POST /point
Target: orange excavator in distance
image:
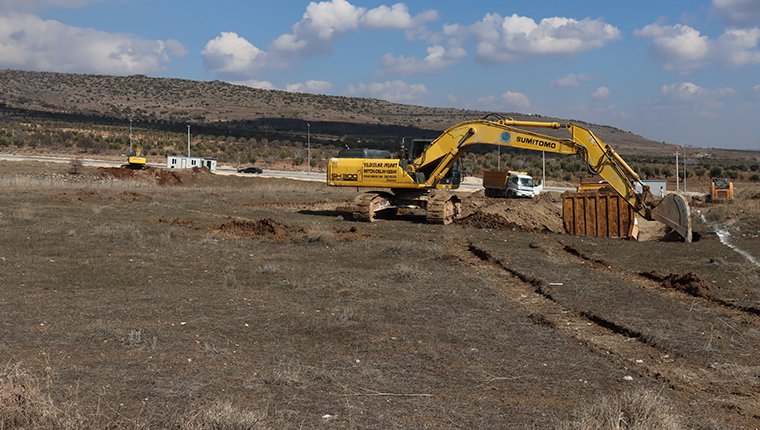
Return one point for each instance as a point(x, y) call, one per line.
point(415, 180)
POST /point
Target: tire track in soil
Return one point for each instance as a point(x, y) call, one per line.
point(653, 282)
point(623, 346)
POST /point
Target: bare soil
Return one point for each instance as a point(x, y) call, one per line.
point(157, 305)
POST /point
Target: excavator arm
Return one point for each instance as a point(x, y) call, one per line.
point(599, 157)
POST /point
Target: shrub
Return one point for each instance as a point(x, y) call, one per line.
point(75, 166)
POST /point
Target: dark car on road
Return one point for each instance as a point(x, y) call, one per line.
point(250, 170)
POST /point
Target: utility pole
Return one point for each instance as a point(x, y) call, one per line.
point(678, 180)
point(130, 136)
point(188, 141)
point(308, 148)
point(684, 168)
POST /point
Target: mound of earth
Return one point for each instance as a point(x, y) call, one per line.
point(689, 283)
point(540, 214)
point(159, 176)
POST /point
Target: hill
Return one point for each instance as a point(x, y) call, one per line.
point(164, 100)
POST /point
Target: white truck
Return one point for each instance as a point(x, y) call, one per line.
point(510, 184)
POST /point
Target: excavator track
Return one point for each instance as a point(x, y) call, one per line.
point(367, 205)
point(443, 209)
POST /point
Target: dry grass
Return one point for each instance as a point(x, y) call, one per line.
point(25, 403)
point(22, 401)
point(225, 416)
point(632, 410)
point(229, 278)
point(269, 268)
point(405, 272)
point(28, 183)
point(743, 208)
point(318, 233)
point(127, 232)
point(24, 212)
point(432, 249)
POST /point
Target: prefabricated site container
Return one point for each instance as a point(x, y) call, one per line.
point(183, 162)
point(602, 213)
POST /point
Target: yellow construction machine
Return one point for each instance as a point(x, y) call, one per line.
point(137, 159)
point(721, 190)
point(414, 178)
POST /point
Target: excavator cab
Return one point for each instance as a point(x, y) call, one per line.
point(453, 177)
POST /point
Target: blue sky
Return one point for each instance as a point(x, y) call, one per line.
point(675, 71)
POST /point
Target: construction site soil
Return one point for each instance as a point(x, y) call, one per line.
point(134, 301)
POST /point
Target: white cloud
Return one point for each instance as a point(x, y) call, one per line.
point(571, 80)
point(325, 21)
point(262, 85)
point(689, 100)
point(683, 91)
point(231, 56)
point(505, 39)
point(508, 101)
point(29, 42)
point(438, 58)
point(396, 91)
point(738, 46)
point(684, 49)
point(678, 46)
point(329, 18)
point(311, 86)
point(513, 38)
point(396, 17)
point(515, 100)
point(600, 93)
point(738, 12)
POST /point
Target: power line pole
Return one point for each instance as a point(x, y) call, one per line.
point(678, 180)
point(308, 148)
point(684, 168)
point(130, 136)
point(188, 141)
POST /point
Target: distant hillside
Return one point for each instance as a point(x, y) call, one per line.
point(194, 102)
point(244, 109)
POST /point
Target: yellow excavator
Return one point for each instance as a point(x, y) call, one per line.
point(137, 159)
point(415, 179)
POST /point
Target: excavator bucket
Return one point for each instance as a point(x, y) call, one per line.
point(674, 212)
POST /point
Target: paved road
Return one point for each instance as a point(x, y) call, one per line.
point(469, 184)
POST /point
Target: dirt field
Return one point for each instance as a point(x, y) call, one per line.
point(197, 301)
